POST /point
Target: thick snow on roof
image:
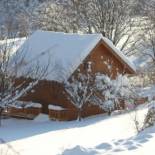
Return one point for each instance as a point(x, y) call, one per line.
point(25, 104)
point(61, 52)
point(55, 107)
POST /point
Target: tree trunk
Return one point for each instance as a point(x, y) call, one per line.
point(109, 112)
point(1, 110)
point(79, 114)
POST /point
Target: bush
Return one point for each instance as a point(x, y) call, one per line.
point(150, 117)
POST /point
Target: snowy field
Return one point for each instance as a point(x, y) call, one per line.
point(98, 135)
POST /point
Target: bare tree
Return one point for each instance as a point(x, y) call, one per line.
point(50, 16)
point(111, 18)
point(18, 75)
point(149, 28)
point(146, 45)
point(15, 17)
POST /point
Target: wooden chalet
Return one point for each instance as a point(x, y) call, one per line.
point(65, 54)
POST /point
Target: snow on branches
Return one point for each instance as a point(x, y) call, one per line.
point(11, 97)
point(150, 116)
point(80, 90)
point(99, 90)
point(109, 93)
point(13, 85)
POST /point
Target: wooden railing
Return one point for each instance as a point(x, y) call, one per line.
point(28, 113)
point(63, 115)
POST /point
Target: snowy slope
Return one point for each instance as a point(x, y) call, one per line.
point(61, 52)
point(141, 62)
point(147, 91)
point(99, 135)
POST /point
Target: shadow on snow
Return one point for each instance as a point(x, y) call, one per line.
point(15, 129)
point(114, 146)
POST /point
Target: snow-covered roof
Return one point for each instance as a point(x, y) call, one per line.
point(62, 52)
point(55, 107)
point(25, 104)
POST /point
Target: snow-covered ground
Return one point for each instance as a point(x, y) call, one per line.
point(98, 135)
